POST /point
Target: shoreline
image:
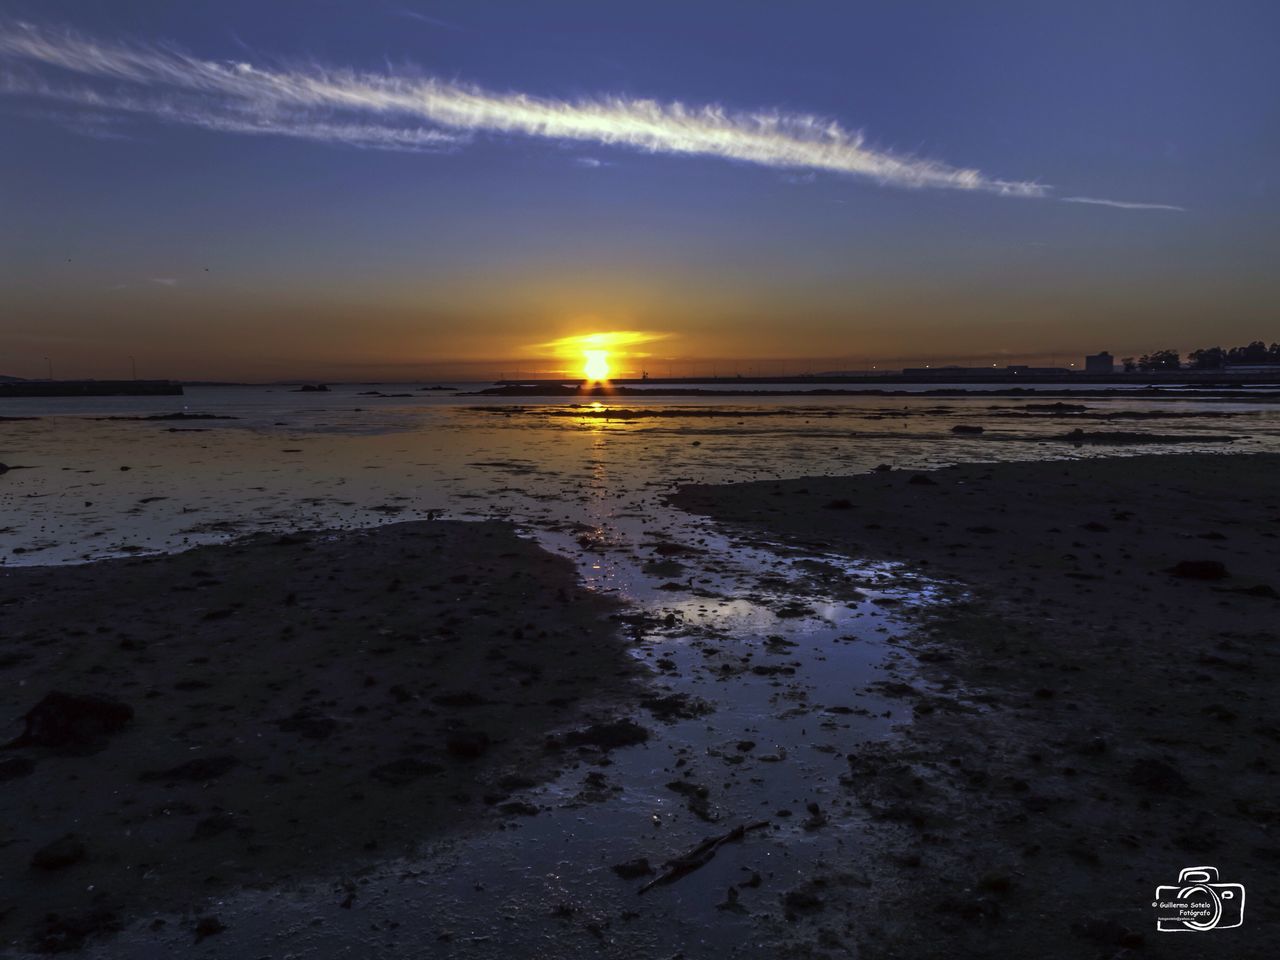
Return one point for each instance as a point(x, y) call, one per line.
point(1178, 391)
point(1088, 715)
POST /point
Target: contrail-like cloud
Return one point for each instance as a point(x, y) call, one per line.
point(1124, 204)
point(386, 111)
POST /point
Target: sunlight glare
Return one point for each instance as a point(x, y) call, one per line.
point(597, 364)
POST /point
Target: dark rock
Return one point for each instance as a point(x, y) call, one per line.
point(1218, 712)
point(800, 901)
point(60, 934)
point(972, 909)
point(515, 781)
point(609, 735)
point(64, 721)
point(15, 767)
point(1058, 407)
point(465, 698)
point(1095, 746)
point(995, 882)
point(894, 688)
point(213, 825)
point(467, 744)
point(518, 808)
point(207, 926)
point(731, 902)
point(1199, 570)
point(841, 504)
point(1106, 932)
point(1127, 438)
point(309, 724)
point(63, 852)
point(633, 869)
point(922, 480)
point(983, 529)
point(1156, 776)
point(398, 773)
point(686, 789)
point(1261, 590)
point(676, 706)
point(965, 428)
point(816, 819)
point(197, 770)
point(791, 611)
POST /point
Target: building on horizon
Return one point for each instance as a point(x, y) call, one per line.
point(1100, 363)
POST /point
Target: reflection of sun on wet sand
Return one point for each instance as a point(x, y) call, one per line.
point(1118, 621)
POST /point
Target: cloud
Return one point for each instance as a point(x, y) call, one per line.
point(165, 281)
point(403, 111)
point(186, 112)
point(590, 162)
point(1124, 204)
point(433, 21)
point(93, 126)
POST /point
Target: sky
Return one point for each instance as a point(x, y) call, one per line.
point(399, 189)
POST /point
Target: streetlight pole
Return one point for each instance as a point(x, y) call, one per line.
point(50, 364)
point(133, 364)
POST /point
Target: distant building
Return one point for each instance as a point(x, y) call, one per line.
point(1100, 363)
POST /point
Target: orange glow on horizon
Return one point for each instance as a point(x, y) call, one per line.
point(601, 355)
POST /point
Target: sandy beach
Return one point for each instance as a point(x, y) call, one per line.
point(1080, 706)
point(1093, 708)
point(246, 715)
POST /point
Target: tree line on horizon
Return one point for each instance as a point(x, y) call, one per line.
point(1206, 358)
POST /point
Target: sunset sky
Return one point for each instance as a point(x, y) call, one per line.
point(401, 189)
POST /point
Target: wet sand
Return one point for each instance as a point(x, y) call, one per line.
point(1089, 717)
point(280, 708)
point(788, 654)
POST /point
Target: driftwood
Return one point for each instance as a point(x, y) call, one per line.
point(700, 855)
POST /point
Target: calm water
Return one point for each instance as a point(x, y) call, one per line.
point(89, 487)
point(589, 484)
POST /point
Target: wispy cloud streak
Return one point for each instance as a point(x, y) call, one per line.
point(389, 111)
point(1124, 204)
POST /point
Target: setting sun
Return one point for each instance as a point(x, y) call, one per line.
point(596, 366)
point(598, 356)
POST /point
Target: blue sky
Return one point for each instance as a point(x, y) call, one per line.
point(285, 188)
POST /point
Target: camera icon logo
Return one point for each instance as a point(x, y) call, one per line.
point(1198, 903)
